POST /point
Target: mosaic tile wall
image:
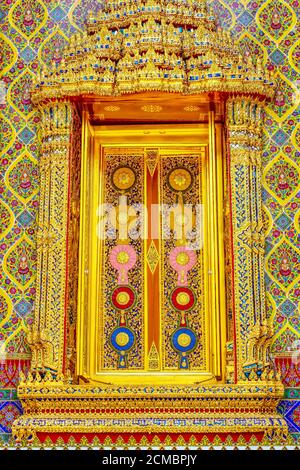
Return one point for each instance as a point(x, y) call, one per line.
point(33, 33)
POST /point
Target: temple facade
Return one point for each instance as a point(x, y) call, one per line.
point(150, 224)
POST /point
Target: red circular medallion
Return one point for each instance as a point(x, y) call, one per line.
point(123, 297)
point(183, 298)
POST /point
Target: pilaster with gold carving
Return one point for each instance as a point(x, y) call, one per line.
point(73, 243)
point(244, 125)
point(255, 130)
point(47, 336)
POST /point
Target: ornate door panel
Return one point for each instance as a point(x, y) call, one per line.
point(149, 268)
point(183, 319)
point(152, 292)
point(122, 307)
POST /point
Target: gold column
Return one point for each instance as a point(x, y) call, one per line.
point(47, 335)
point(252, 332)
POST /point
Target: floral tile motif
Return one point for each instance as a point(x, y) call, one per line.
point(276, 19)
point(282, 178)
point(284, 264)
point(9, 377)
point(9, 411)
point(290, 409)
point(28, 17)
point(290, 375)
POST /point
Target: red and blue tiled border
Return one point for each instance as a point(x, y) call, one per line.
point(10, 409)
point(290, 409)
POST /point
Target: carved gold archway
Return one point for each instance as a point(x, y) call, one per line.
point(150, 50)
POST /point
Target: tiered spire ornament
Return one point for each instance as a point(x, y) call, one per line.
point(152, 45)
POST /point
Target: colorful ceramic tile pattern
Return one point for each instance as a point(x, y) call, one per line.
point(9, 411)
point(291, 411)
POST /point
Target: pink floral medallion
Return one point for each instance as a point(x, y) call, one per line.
point(182, 259)
point(122, 258)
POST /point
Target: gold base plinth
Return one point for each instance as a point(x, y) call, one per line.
point(103, 409)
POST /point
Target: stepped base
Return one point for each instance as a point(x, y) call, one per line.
point(61, 410)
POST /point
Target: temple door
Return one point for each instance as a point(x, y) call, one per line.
point(152, 309)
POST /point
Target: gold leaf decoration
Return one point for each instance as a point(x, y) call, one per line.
point(152, 257)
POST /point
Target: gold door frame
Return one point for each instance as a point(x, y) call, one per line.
point(59, 373)
point(80, 89)
point(53, 334)
point(95, 139)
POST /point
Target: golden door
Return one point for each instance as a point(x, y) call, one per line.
point(151, 256)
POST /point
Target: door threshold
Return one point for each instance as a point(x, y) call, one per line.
point(145, 378)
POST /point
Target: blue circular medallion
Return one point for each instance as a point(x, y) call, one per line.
point(122, 339)
point(184, 340)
